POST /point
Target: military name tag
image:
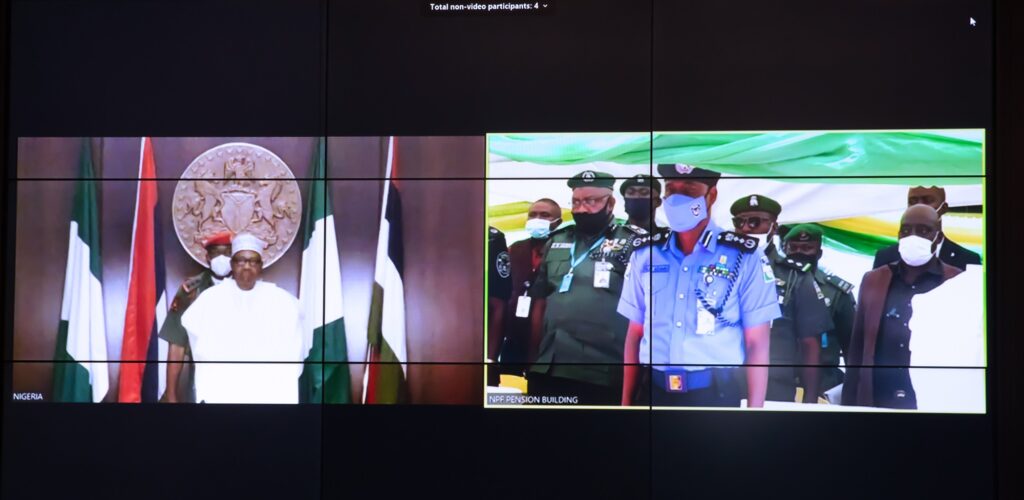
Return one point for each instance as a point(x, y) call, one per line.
point(602, 274)
point(523, 307)
point(566, 283)
point(705, 321)
point(561, 245)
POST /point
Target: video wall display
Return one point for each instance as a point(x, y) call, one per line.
point(794, 271)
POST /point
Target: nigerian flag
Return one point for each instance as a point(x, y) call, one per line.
point(80, 358)
point(325, 378)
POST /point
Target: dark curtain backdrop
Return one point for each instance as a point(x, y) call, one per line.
point(443, 280)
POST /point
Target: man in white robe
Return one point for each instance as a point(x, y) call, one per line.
point(246, 319)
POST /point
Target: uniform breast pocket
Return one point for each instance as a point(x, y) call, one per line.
point(657, 289)
point(657, 280)
point(721, 294)
point(556, 270)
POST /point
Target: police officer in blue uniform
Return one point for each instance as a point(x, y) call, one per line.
point(700, 301)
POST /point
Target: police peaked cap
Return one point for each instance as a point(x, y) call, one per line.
point(804, 232)
point(756, 202)
point(591, 178)
point(672, 171)
point(642, 180)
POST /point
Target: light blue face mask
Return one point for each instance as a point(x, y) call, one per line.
point(538, 228)
point(684, 212)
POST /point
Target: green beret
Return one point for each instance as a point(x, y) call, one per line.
point(671, 171)
point(640, 180)
point(804, 232)
point(591, 178)
point(756, 202)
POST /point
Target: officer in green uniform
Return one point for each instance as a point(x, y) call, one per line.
point(577, 337)
point(180, 386)
point(803, 245)
point(642, 195)
point(797, 336)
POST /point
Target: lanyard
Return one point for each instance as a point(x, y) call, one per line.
point(572, 254)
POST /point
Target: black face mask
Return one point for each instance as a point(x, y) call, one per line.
point(591, 223)
point(639, 209)
point(802, 258)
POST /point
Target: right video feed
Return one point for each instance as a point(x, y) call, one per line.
point(782, 270)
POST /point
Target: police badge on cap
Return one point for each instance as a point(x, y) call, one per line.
point(672, 171)
point(591, 178)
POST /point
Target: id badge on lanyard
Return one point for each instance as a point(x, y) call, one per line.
point(522, 306)
point(567, 279)
point(602, 274)
point(705, 321)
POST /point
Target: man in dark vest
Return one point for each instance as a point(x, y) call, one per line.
point(880, 347)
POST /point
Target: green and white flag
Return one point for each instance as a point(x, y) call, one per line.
point(325, 378)
point(80, 358)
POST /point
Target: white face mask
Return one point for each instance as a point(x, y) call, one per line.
point(660, 219)
point(916, 251)
point(538, 228)
point(221, 265)
point(762, 241)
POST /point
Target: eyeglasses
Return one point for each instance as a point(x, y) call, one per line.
point(753, 222)
point(250, 262)
point(589, 202)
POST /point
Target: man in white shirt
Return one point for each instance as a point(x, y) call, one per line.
point(246, 334)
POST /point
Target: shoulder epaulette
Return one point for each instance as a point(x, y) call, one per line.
point(827, 277)
point(191, 283)
point(562, 229)
point(637, 230)
point(186, 292)
point(745, 244)
point(656, 236)
point(842, 284)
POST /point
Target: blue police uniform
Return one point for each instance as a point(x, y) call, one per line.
point(695, 307)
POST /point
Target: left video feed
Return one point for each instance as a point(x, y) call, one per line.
point(242, 270)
